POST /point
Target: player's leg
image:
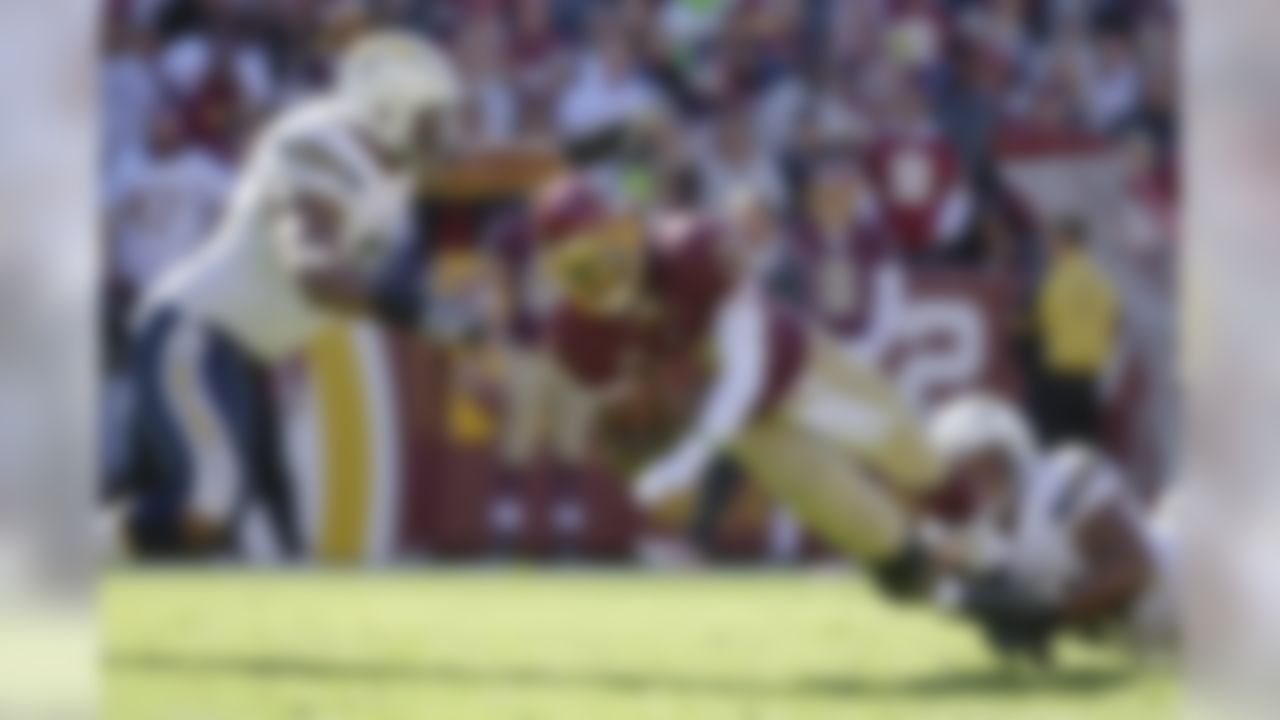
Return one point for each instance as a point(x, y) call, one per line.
point(523, 417)
point(829, 494)
point(574, 412)
point(246, 400)
point(719, 487)
point(856, 407)
point(187, 481)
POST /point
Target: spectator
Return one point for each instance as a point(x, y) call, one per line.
point(689, 23)
point(733, 156)
point(130, 90)
point(854, 31)
point(1048, 112)
point(969, 101)
point(1114, 81)
point(1076, 322)
point(190, 62)
point(814, 96)
point(305, 47)
point(161, 203)
point(918, 177)
point(606, 85)
point(536, 51)
point(761, 41)
point(853, 279)
point(915, 34)
point(491, 115)
point(1001, 29)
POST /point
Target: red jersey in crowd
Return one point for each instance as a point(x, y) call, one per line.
point(841, 273)
point(689, 275)
point(919, 181)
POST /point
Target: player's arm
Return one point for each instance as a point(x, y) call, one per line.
point(888, 290)
point(740, 345)
point(310, 244)
point(312, 184)
point(312, 255)
point(311, 247)
point(513, 170)
point(1119, 566)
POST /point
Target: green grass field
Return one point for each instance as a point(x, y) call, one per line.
point(537, 645)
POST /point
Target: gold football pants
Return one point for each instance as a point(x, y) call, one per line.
point(845, 452)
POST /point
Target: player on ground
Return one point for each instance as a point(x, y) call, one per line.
point(1051, 541)
point(826, 434)
point(320, 206)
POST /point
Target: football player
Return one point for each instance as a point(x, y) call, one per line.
point(823, 432)
point(542, 405)
point(1047, 540)
point(318, 209)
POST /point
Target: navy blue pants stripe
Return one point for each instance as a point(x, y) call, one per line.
point(162, 466)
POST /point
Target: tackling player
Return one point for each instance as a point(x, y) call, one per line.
point(542, 406)
point(822, 431)
point(1051, 539)
point(316, 213)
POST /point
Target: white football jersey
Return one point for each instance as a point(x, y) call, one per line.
point(1064, 488)
point(242, 281)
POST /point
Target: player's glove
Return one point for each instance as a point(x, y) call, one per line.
point(1015, 623)
point(669, 475)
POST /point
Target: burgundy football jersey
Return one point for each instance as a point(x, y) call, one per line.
point(839, 273)
point(688, 274)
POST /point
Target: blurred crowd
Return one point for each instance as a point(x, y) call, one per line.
point(746, 90)
point(877, 122)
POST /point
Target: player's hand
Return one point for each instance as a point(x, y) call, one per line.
point(674, 472)
point(1014, 622)
point(658, 482)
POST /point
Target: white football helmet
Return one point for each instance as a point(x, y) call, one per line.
point(979, 422)
point(388, 79)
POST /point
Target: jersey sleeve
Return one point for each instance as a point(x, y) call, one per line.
point(740, 338)
point(1087, 484)
point(313, 184)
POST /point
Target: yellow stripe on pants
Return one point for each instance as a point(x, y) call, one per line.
point(333, 362)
